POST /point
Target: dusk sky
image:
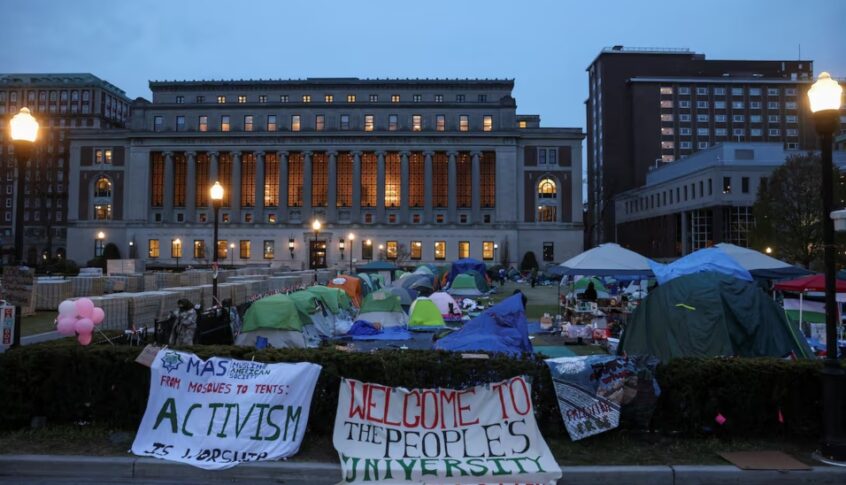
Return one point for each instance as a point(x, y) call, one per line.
point(544, 45)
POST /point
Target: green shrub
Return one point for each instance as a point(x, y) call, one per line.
point(101, 383)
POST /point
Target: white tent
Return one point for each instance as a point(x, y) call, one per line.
point(760, 265)
point(607, 260)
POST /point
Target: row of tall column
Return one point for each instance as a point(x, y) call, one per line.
point(331, 210)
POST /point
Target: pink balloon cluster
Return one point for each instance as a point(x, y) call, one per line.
point(79, 317)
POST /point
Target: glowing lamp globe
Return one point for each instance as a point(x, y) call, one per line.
point(24, 127)
point(825, 94)
point(217, 191)
point(315, 225)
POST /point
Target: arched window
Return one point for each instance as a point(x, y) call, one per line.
point(103, 187)
point(547, 200)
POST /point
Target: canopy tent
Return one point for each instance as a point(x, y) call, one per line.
point(760, 265)
point(814, 282)
point(500, 328)
point(410, 280)
point(607, 260)
point(276, 318)
point(464, 265)
point(383, 307)
point(351, 286)
point(425, 314)
point(464, 285)
point(383, 268)
point(449, 308)
point(710, 314)
point(583, 283)
point(708, 259)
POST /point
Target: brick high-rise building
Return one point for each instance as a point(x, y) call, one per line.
point(648, 107)
point(60, 103)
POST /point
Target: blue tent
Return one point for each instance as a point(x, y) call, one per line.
point(464, 265)
point(500, 328)
point(708, 259)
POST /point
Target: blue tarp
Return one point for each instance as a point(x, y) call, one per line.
point(364, 330)
point(708, 259)
point(464, 265)
point(500, 328)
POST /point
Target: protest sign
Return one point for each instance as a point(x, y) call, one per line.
point(480, 434)
point(591, 390)
point(216, 413)
point(18, 288)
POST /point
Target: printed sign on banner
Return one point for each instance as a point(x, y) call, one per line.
point(591, 390)
point(476, 435)
point(217, 413)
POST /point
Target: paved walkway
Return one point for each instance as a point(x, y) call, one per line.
point(55, 469)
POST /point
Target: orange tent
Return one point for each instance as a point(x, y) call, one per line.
point(351, 286)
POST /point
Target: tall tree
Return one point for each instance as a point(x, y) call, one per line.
point(788, 209)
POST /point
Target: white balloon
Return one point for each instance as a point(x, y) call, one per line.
point(67, 308)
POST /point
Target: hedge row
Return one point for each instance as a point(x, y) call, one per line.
point(103, 384)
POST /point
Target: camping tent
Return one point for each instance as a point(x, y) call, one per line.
point(334, 299)
point(351, 285)
point(384, 269)
point(710, 314)
point(464, 265)
point(383, 307)
point(500, 328)
point(424, 315)
point(606, 260)
point(443, 301)
point(481, 280)
point(708, 259)
point(464, 285)
point(276, 318)
point(760, 265)
point(405, 295)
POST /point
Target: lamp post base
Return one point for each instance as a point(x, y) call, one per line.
point(833, 446)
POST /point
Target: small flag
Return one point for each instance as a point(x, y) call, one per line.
point(780, 417)
point(720, 419)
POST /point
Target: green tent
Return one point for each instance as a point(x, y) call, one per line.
point(710, 314)
point(381, 301)
point(424, 313)
point(306, 303)
point(334, 299)
point(583, 283)
point(464, 285)
point(481, 281)
point(278, 312)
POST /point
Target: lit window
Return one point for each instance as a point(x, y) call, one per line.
point(295, 122)
point(221, 100)
point(224, 123)
point(393, 122)
point(488, 250)
point(242, 99)
point(306, 98)
point(175, 248)
point(153, 248)
point(667, 117)
point(248, 123)
point(204, 123)
point(345, 122)
point(103, 188)
point(463, 123)
point(416, 122)
point(440, 122)
point(391, 250)
point(487, 123)
point(222, 249)
point(416, 250)
point(667, 103)
point(271, 122)
point(395, 98)
point(351, 98)
point(269, 249)
point(368, 123)
point(463, 249)
point(102, 212)
point(440, 250)
point(199, 249)
point(319, 122)
point(244, 249)
point(667, 131)
point(522, 124)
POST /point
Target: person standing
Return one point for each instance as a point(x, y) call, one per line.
point(534, 276)
point(186, 324)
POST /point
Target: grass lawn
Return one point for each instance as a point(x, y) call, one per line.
point(613, 448)
point(39, 323)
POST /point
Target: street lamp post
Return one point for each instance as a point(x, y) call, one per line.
point(315, 225)
point(24, 132)
point(232, 254)
point(824, 97)
point(369, 244)
point(177, 251)
point(98, 244)
point(351, 237)
point(217, 199)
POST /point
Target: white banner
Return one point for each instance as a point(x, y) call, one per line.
point(216, 413)
point(476, 435)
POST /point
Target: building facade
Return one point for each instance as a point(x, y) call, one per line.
point(700, 200)
point(650, 107)
point(424, 170)
point(60, 102)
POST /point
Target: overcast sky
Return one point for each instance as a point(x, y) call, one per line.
point(544, 45)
